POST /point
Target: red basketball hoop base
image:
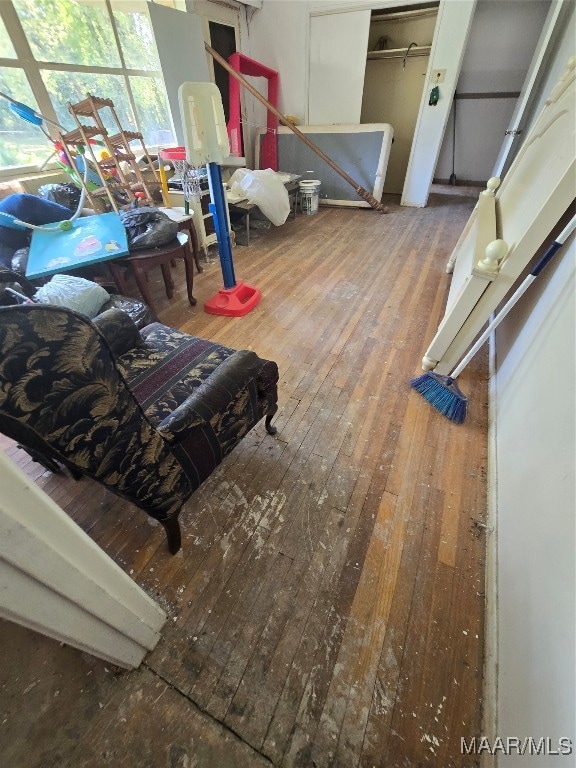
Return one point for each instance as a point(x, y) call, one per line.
point(233, 302)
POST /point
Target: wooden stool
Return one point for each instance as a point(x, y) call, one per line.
point(142, 261)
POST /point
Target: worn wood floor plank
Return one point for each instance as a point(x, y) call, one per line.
point(327, 606)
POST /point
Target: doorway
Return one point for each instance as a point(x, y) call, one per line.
point(345, 32)
point(223, 40)
point(399, 45)
point(222, 31)
point(491, 80)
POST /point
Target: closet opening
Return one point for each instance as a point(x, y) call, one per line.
point(399, 45)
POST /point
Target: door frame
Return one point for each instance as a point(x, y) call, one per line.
point(432, 121)
point(446, 53)
point(522, 110)
point(230, 14)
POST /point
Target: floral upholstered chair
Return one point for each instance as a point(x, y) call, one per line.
point(149, 414)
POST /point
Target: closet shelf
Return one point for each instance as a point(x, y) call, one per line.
point(399, 53)
point(405, 15)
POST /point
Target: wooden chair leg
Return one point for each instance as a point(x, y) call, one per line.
point(194, 246)
point(173, 534)
point(45, 461)
point(118, 277)
point(141, 282)
point(267, 423)
point(188, 266)
point(168, 282)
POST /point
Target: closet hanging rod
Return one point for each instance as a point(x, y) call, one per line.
point(399, 53)
point(405, 15)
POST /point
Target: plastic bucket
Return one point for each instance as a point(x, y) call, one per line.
point(309, 196)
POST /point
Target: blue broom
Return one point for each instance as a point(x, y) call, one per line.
point(442, 391)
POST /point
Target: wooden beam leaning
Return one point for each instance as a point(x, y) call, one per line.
point(360, 191)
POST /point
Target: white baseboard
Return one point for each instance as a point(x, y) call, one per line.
point(490, 686)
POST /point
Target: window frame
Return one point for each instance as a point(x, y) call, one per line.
point(32, 68)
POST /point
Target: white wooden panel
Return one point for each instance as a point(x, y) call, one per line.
point(468, 282)
point(57, 580)
point(533, 77)
point(448, 46)
point(180, 43)
point(30, 603)
point(535, 193)
point(338, 47)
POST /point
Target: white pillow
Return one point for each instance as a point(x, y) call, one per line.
point(75, 293)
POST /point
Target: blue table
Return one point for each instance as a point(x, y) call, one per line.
point(91, 240)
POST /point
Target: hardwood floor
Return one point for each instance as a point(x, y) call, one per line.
point(327, 607)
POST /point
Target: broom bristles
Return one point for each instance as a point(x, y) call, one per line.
point(442, 393)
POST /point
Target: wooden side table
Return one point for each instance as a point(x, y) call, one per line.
point(185, 223)
point(141, 261)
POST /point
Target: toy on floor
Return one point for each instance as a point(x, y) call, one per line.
point(207, 143)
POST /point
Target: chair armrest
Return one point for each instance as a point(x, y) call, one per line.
point(119, 330)
point(213, 396)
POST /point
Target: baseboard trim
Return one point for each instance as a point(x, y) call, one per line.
point(490, 686)
point(461, 183)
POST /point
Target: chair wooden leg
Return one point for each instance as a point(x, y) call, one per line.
point(270, 428)
point(194, 246)
point(45, 461)
point(173, 534)
point(142, 283)
point(118, 277)
point(168, 282)
point(189, 269)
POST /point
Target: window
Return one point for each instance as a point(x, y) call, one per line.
point(20, 143)
point(68, 32)
point(52, 52)
point(6, 48)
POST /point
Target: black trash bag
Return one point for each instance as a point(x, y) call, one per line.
point(148, 227)
point(66, 194)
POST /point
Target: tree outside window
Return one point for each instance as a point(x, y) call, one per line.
point(79, 47)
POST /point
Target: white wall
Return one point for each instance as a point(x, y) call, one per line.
point(278, 37)
point(535, 418)
point(502, 40)
point(535, 482)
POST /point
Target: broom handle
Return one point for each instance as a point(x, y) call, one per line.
point(363, 193)
point(517, 295)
